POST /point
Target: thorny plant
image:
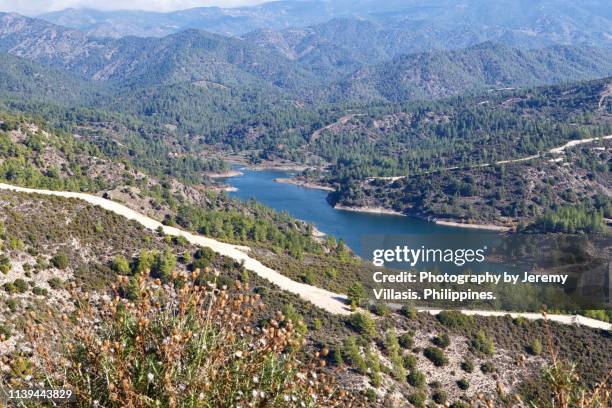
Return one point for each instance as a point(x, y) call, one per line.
point(194, 346)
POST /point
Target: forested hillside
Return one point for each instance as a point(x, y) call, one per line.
point(439, 75)
point(219, 87)
point(443, 173)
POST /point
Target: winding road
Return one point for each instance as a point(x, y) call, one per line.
point(331, 302)
point(554, 151)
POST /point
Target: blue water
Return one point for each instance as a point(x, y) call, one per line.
point(354, 228)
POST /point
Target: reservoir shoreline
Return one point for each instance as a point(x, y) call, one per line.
point(289, 179)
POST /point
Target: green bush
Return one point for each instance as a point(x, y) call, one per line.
point(60, 260)
point(436, 356)
point(5, 264)
point(463, 384)
point(11, 304)
point(376, 380)
point(371, 394)
point(55, 283)
point(442, 340)
point(356, 294)
point(121, 265)
point(409, 361)
point(460, 404)
point(380, 309)
point(337, 357)
point(5, 332)
point(454, 318)
point(39, 291)
point(163, 266)
point(467, 366)
point(439, 397)
point(21, 286)
point(409, 311)
point(353, 355)
point(483, 344)
point(363, 324)
point(417, 399)
point(487, 367)
point(406, 340)
point(9, 288)
point(535, 347)
point(416, 378)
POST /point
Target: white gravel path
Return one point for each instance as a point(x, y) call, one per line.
point(332, 302)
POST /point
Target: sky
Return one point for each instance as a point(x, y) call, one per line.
point(34, 7)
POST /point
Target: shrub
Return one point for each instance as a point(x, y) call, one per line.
point(363, 324)
point(145, 262)
point(9, 288)
point(417, 399)
point(406, 340)
point(5, 332)
point(353, 355)
point(467, 366)
point(163, 266)
point(392, 347)
point(487, 367)
point(483, 344)
point(416, 378)
point(436, 356)
point(39, 291)
point(55, 283)
point(463, 384)
point(121, 265)
point(409, 361)
point(291, 315)
point(11, 304)
point(371, 394)
point(161, 356)
point(60, 260)
point(309, 278)
point(356, 294)
point(454, 318)
point(380, 309)
point(409, 311)
point(5, 264)
point(376, 380)
point(337, 357)
point(442, 340)
point(460, 404)
point(439, 397)
point(535, 347)
point(20, 285)
point(331, 273)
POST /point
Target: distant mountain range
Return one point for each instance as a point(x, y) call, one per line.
point(441, 74)
point(201, 79)
point(444, 23)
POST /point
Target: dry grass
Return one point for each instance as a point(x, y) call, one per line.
point(191, 346)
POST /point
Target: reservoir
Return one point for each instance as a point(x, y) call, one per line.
point(360, 231)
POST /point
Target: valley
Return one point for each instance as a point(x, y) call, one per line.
point(192, 203)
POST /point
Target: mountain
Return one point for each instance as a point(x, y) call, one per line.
point(225, 87)
point(442, 74)
point(226, 21)
point(541, 21)
point(20, 77)
point(191, 55)
point(343, 45)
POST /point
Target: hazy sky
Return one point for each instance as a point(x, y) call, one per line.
point(33, 7)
